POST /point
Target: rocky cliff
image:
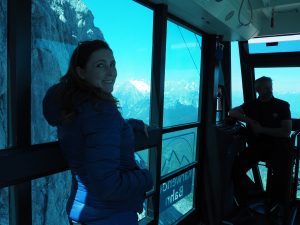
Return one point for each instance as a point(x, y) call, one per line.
point(57, 27)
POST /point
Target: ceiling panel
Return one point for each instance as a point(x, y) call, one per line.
point(222, 17)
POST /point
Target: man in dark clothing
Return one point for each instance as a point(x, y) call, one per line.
point(269, 123)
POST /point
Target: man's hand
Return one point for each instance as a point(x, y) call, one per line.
point(256, 127)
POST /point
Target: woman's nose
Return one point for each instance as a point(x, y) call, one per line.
point(111, 71)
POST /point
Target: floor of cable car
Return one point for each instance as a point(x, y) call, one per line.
point(259, 216)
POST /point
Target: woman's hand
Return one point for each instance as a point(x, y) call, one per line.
point(146, 127)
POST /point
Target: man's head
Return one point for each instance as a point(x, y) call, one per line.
point(263, 86)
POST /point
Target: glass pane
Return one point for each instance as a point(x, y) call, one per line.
point(237, 96)
point(176, 197)
point(178, 150)
point(289, 43)
point(263, 170)
point(4, 209)
point(285, 85)
point(182, 76)
point(3, 74)
point(131, 40)
point(51, 52)
point(49, 58)
point(49, 199)
point(250, 175)
point(142, 160)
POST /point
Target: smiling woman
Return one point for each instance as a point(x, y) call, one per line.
point(98, 144)
point(100, 71)
point(74, 22)
point(131, 39)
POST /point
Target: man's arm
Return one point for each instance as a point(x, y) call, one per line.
point(283, 131)
point(239, 114)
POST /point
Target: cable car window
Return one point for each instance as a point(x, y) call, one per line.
point(285, 85)
point(182, 76)
point(176, 197)
point(127, 26)
point(130, 38)
point(3, 74)
point(49, 197)
point(237, 96)
point(289, 43)
point(4, 209)
point(178, 150)
point(142, 160)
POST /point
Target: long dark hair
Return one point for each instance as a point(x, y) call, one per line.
point(74, 90)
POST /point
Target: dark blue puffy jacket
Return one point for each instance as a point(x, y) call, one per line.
point(98, 145)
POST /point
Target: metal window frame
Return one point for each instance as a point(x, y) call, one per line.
point(19, 101)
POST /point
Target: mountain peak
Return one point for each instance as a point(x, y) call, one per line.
point(141, 86)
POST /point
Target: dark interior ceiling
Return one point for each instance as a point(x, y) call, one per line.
point(239, 19)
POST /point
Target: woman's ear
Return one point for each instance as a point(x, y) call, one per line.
point(80, 72)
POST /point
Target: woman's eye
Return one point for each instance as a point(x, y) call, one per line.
point(101, 65)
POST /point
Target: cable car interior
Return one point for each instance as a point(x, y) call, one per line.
point(182, 65)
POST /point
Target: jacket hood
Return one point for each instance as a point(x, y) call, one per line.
point(52, 105)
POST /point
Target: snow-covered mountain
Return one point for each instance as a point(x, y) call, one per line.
point(180, 103)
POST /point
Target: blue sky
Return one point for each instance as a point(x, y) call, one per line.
point(127, 27)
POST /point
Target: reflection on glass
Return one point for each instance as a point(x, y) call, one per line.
point(176, 198)
point(131, 40)
point(285, 85)
point(49, 199)
point(236, 76)
point(4, 209)
point(182, 76)
point(3, 74)
point(178, 150)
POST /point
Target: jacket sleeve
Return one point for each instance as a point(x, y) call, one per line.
point(102, 160)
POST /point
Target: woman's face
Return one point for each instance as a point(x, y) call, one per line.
point(100, 70)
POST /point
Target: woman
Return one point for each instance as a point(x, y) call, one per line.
point(98, 144)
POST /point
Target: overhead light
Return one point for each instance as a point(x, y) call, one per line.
point(268, 44)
